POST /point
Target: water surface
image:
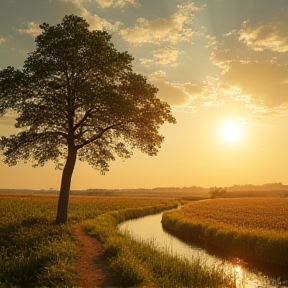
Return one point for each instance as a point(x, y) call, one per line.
point(150, 229)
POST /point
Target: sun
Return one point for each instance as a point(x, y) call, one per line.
point(230, 131)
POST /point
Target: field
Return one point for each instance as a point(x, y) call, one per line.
point(264, 215)
point(36, 253)
point(255, 228)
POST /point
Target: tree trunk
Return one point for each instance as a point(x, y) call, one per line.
point(62, 211)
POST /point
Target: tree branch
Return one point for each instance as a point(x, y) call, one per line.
point(65, 136)
point(82, 120)
point(99, 135)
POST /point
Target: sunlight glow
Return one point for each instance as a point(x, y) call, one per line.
point(230, 131)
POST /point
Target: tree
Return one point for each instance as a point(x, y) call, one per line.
point(78, 97)
point(217, 192)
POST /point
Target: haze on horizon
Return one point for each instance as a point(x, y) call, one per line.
point(221, 64)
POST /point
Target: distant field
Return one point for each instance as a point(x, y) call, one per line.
point(262, 215)
point(255, 228)
point(16, 207)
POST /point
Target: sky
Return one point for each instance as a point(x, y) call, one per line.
point(222, 65)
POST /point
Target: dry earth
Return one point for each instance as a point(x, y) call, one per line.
point(91, 265)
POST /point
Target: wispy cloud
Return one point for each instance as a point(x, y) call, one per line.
point(32, 29)
point(250, 72)
point(2, 40)
point(222, 58)
point(106, 3)
point(265, 81)
point(173, 29)
point(97, 23)
point(164, 56)
point(170, 92)
point(272, 36)
point(114, 3)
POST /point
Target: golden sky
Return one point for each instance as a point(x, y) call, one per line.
point(221, 64)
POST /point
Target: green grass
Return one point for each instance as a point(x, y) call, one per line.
point(138, 264)
point(36, 253)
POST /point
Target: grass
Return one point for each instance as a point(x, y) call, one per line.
point(138, 264)
point(251, 228)
point(36, 253)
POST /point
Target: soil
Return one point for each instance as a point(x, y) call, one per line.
point(91, 264)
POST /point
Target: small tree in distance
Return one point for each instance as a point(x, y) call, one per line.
point(77, 97)
point(217, 192)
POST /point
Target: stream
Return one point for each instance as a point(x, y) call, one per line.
point(149, 228)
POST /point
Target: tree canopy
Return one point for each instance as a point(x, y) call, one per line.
point(78, 97)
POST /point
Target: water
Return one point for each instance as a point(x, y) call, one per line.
point(150, 229)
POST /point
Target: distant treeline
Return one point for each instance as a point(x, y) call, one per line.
point(266, 190)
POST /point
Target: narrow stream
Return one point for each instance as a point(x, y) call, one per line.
point(150, 229)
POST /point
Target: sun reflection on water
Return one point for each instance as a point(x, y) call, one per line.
point(240, 276)
point(236, 267)
point(238, 270)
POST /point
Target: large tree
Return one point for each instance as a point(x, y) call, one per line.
point(78, 97)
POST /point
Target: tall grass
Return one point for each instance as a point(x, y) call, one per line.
point(36, 253)
point(140, 265)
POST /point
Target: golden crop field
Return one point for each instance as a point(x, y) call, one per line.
point(249, 228)
point(267, 215)
point(15, 207)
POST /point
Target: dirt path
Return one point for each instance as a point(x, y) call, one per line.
point(92, 267)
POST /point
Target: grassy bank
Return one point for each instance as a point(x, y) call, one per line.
point(140, 265)
point(36, 253)
point(249, 228)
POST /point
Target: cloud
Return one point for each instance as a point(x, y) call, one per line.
point(115, 3)
point(260, 113)
point(166, 56)
point(97, 23)
point(146, 62)
point(32, 29)
point(188, 95)
point(2, 40)
point(265, 82)
point(163, 56)
point(251, 76)
point(272, 36)
point(174, 29)
point(226, 49)
point(193, 89)
point(106, 3)
point(170, 92)
point(212, 41)
point(208, 92)
point(223, 56)
point(212, 92)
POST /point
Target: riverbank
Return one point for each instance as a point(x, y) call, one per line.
point(252, 229)
point(139, 264)
point(35, 252)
